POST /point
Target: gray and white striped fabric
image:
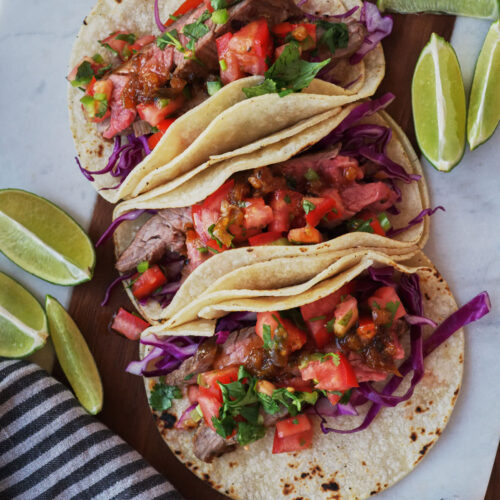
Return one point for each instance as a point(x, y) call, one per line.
point(50, 448)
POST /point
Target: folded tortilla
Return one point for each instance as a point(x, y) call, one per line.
point(353, 466)
point(195, 186)
point(219, 125)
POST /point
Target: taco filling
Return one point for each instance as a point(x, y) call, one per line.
point(150, 80)
point(279, 369)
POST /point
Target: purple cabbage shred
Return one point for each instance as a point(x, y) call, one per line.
point(160, 25)
point(113, 284)
point(417, 220)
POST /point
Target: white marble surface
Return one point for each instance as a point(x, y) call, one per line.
point(36, 154)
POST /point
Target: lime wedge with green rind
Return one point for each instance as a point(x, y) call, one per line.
point(484, 101)
point(74, 356)
point(42, 239)
point(438, 102)
point(23, 324)
point(488, 9)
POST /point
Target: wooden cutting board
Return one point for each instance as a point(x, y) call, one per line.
point(125, 407)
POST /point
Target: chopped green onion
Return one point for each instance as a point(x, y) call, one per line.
point(220, 16)
point(143, 266)
point(162, 102)
point(311, 175)
point(213, 87)
point(385, 223)
point(317, 318)
point(223, 65)
point(308, 206)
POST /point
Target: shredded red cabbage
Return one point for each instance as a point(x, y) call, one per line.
point(313, 17)
point(160, 25)
point(417, 220)
point(383, 275)
point(138, 367)
point(132, 215)
point(112, 286)
point(185, 416)
point(236, 320)
point(85, 172)
point(419, 320)
point(377, 26)
point(123, 159)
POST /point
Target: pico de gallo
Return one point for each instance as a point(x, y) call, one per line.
point(139, 84)
point(280, 369)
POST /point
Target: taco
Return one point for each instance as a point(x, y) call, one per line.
point(358, 185)
point(342, 388)
point(211, 81)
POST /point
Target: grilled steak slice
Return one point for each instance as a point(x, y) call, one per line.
point(207, 444)
point(377, 196)
point(121, 117)
point(199, 363)
point(275, 11)
point(164, 231)
point(241, 347)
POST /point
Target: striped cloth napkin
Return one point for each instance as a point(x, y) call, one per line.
point(50, 448)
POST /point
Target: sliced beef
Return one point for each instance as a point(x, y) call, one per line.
point(207, 444)
point(201, 362)
point(376, 196)
point(275, 11)
point(164, 231)
point(121, 117)
point(242, 347)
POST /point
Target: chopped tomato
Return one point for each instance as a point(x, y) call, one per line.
point(203, 218)
point(104, 87)
point(93, 64)
point(319, 332)
point(330, 376)
point(142, 42)
point(374, 222)
point(286, 206)
point(257, 214)
point(251, 45)
point(322, 207)
point(128, 324)
point(216, 246)
point(293, 425)
point(119, 42)
point(214, 201)
point(346, 315)
point(366, 328)
point(157, 111)
point(293, 338)
point(333, 398)
point(183, 9)
point(210, 406)
point(304, 33)
point(264, 238)
point(208, 5)
point(193, 392)
point(295, 442)
point(148, 282)
point(96, 101)
point(208, 380)
point(193, 246)
point(326, 305)
point(229, 65)
point(306, 235)
point(162, 127)
point(384, 296)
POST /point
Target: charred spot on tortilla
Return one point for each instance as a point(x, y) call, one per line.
point(288, 488)
point(413, 436)
point(331, 486)
point(168, 419)
point(426, 447)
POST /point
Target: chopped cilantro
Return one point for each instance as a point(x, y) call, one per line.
point(360, 225)
point(392, 307)
point(311, 175)
point(248, 433)
point(344, 321)
point(197, 29)
point(126, 37)
point(345, 397)
point(223, 66)
point(213, 250)
point(174, 18)
point(203, 249)
point(335, 36)
point(162, 395)
point(318, 318)
point(218, 4)
point(308, 206)
point(213, 87)
point(295, 421)
point(189, 376)
point(266, 87)
point(269, 342)
point(170, 38)
point(329, 325)
point(289, 73)
point(98, 58)
point(84, 74)
point(211, 233)
point(295, 316)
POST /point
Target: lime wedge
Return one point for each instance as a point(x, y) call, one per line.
point(44, 240)
point(438, 101)
point(23, 325)
point(488, 9)
point(74, 357)
point(484, 102)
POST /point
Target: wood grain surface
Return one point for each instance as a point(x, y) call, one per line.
point(125, 408)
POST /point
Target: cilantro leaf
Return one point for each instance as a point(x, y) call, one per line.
point(224, 426)
point(269, 343)
point(126, 37)
point(248, 433)
point(197, 29)
point(308, 206)
point(268, 403)
point(162, 395)
point(170, 38)
point(295, 316)
point(329, 325)
point(392, 307)
point(266, 87)
point(289, 71)
point(335, 36)
point(84, 74)
point(345, 397)
point(218, 4)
